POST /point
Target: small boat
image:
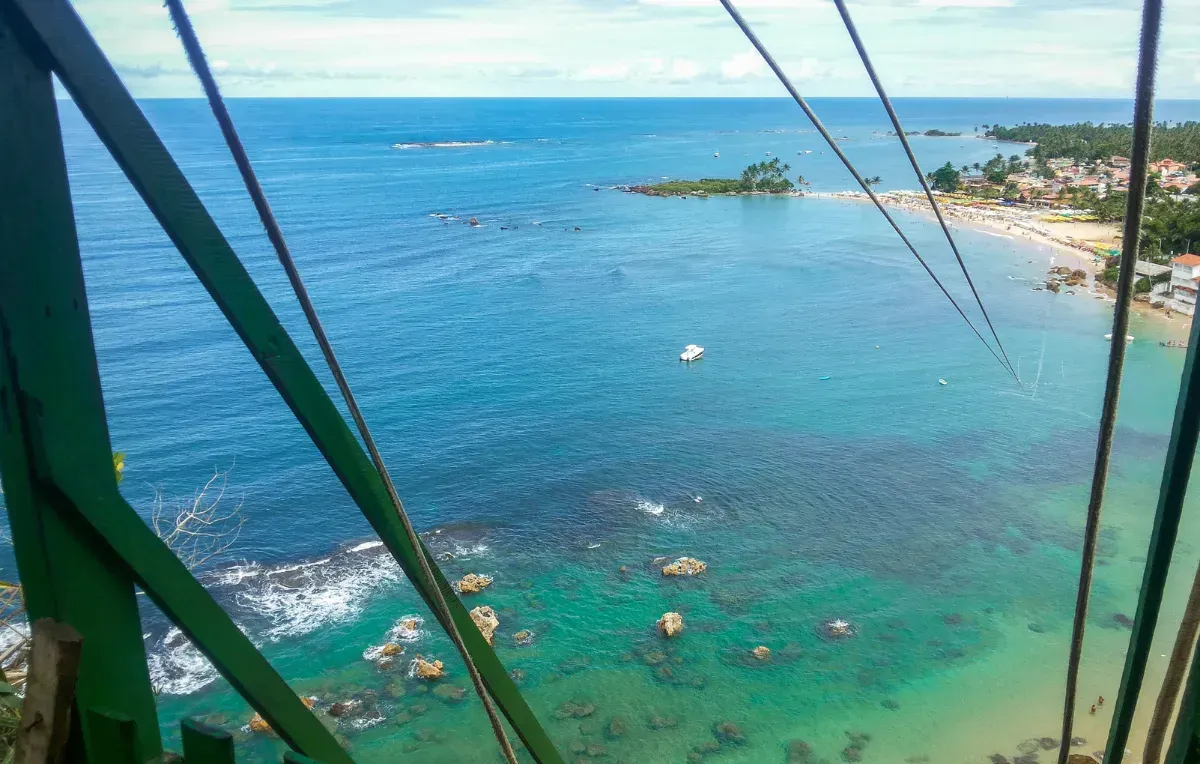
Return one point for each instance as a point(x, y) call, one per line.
point(1128, 337)
point(826, 377)
point(692, 353)
point(941, 381)
point(716, 155)
point(768, 153)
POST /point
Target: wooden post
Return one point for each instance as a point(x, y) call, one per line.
point(49, 693)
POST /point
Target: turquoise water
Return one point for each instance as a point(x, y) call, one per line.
point(522, 380)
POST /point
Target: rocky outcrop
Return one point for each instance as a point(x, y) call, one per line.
point(342, 708)
point(670, 624)
point(259, 724)
point(1052, 285)
point(391, 650)
point(473, 584)
point(429, 670)
point(523, 637)
point(762, 652)
point(685, 566)
point(487, 622)
point(1079, 274)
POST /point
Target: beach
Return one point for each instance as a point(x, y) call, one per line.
point(1075, 242)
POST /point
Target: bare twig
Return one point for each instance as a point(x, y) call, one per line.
point(199, 530)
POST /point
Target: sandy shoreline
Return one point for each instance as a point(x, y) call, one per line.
point(1071, 240)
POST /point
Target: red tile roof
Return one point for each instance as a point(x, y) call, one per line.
point(1188, 259)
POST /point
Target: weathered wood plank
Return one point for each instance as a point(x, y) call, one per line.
point(49, 693)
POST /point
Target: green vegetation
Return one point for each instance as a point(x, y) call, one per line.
point(1170, 227)
point(767, 176)
point(940, 134)
point(945, 178)
point(10, 720)
point(763, 177)
point(1086, 142)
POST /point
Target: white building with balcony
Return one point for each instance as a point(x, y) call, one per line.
point(1185, 278)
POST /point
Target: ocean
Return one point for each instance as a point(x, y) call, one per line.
point(522, 379)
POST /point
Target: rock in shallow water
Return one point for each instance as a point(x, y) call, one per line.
point(473, 584)
point(487, 622)
point(657, 722)
point(798, 751)
point(431, 671)
point(1032, 745)
point(728, 732)
point(450, 693)
point(685, 566)
point(670, 624)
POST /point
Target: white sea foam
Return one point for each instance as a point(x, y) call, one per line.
point(316, 594)
point(650, 507)
point(365, 546)
point(366, 722)
point(441, 144)
point(177, 667)
point(400, 632)
point(235, 574)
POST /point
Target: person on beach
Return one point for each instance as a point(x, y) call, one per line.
point(1093, 711)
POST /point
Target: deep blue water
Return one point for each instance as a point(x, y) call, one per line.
point(493, 361)
point(522, 378)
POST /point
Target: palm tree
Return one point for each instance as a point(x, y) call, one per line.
point(978, 167)
point(965, 170)
point(872, 182)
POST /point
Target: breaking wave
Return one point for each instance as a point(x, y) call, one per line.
point(441, 144)
point(276, 602)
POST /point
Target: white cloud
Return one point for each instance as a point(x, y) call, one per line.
point(743, 65)
point(605, 73)
point(642, 47)
point(742, 4)
point(967, 3)
point(685, 69)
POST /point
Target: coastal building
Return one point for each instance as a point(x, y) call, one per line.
point(1185, 276)
point(1160, 290)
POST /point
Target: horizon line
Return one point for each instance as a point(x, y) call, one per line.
point(66, 97)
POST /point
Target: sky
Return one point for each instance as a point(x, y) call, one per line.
point(636, 48)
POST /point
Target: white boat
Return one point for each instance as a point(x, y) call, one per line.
point(941, 381)
point(1128, 337)
point(692, 353)
point(716, 155)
